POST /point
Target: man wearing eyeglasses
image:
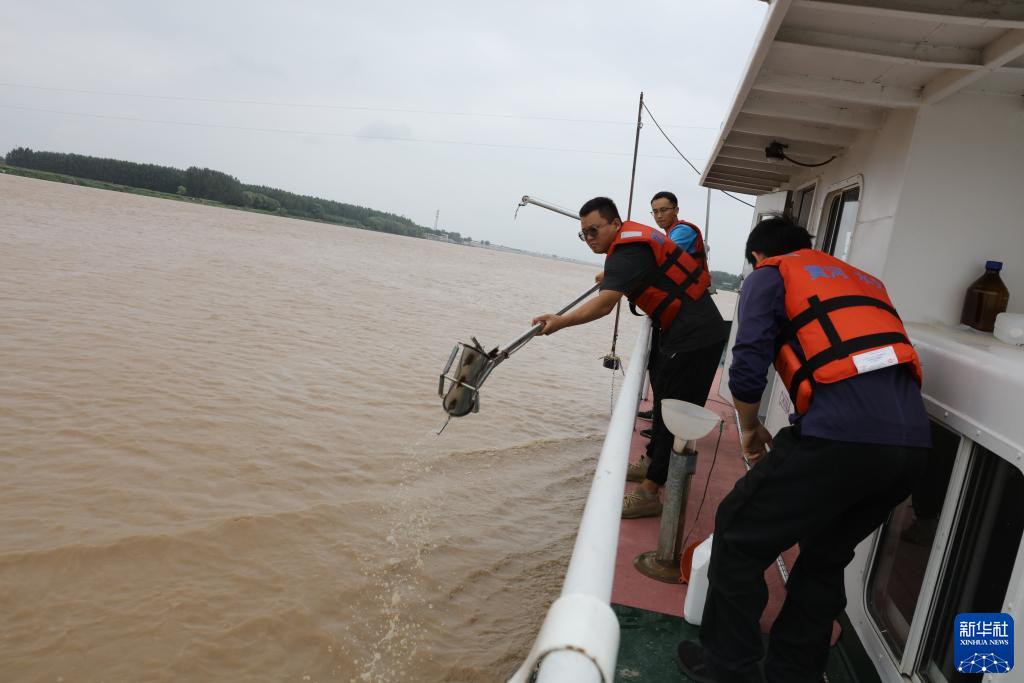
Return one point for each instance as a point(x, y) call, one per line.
point(665, 211)
point(671, 286)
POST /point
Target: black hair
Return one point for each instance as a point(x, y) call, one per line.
point(603, 206)
point(776, 236)
point(664, 194)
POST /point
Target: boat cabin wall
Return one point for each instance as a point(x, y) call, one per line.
point(940, 194)
point(877, 162)
point(962, 204)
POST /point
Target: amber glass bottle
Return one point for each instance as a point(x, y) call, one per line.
point(986, 298)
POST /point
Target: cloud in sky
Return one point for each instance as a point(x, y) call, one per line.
point(404, 107)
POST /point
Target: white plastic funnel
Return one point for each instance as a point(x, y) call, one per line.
point(686, 421)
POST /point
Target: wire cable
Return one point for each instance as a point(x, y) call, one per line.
point(335, 107)
point(288, 131)
point(800, 163)
point(695, 169)
point(711, 470)
point(658, 125)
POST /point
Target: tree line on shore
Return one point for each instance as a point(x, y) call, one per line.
point(723, 280)
point(206, 183)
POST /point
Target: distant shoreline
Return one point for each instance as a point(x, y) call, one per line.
point(115, 187)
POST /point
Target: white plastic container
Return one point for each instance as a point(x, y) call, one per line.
point(697, 590)
point(1009, 328)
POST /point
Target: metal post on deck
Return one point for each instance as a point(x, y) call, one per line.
point(663, 564)
point(645, 383)
point(687, 422)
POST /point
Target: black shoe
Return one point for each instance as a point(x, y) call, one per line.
point(646, 414)
point(693, 665)
point(690, 659)
point(647, 433)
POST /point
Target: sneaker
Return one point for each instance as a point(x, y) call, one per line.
point(636, 504)
point(637, 471)
point(646, 414)
point(647, 433)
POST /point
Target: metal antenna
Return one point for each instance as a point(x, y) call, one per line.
point(636, 147)
point(611, 361)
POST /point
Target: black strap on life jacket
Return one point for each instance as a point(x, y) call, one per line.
point(838, 351)
point(660, 275)
point(674, 292)
point(818, 310)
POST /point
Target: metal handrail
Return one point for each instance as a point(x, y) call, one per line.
point(579, 639)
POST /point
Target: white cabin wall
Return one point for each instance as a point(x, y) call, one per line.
point(882, 163)
point(879, 157)
point(962, 204)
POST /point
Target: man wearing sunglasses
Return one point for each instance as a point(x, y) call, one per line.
point(671, 286)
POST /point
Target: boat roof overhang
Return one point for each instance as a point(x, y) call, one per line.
point(823, 71)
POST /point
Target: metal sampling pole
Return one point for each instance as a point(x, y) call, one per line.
point(550, 207)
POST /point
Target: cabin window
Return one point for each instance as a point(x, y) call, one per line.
point(842, 216)
point(906, 543)
point(984, 547)
point(802, 200)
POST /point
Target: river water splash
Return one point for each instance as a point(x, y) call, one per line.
point(219, 446)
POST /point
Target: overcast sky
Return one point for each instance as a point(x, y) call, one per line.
point(406, 107)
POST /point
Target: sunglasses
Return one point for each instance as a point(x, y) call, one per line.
point(588, 233)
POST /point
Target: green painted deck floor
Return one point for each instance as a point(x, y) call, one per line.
point(647, 650)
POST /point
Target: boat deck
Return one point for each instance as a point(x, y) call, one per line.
point(650, 611)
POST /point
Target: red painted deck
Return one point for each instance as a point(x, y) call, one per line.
point(633, 589)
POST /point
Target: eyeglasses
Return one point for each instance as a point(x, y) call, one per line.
point(667, 209)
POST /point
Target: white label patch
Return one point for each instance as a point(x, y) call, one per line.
point(631, 233)
point(875, 360)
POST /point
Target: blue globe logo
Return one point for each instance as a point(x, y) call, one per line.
point(983, 663)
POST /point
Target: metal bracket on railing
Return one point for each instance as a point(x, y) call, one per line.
point(577, 642)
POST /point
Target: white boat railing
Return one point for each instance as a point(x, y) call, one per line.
point(579, 640)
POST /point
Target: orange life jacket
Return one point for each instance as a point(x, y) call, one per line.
point(678, 274)
point(698, 251)
point(843, 319)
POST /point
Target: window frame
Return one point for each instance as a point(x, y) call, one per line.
point(936, 578)
point(806, 193)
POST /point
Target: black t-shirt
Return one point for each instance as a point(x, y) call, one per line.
point(698, 324)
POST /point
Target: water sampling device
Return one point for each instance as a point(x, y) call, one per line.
point(460, 389)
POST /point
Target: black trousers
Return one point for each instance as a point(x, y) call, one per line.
point(688, 376)
point(652, 357)
point(825, 495)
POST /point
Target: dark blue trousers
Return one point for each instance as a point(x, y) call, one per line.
point(825, 495)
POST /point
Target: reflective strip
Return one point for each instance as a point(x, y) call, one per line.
point(874, 360)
